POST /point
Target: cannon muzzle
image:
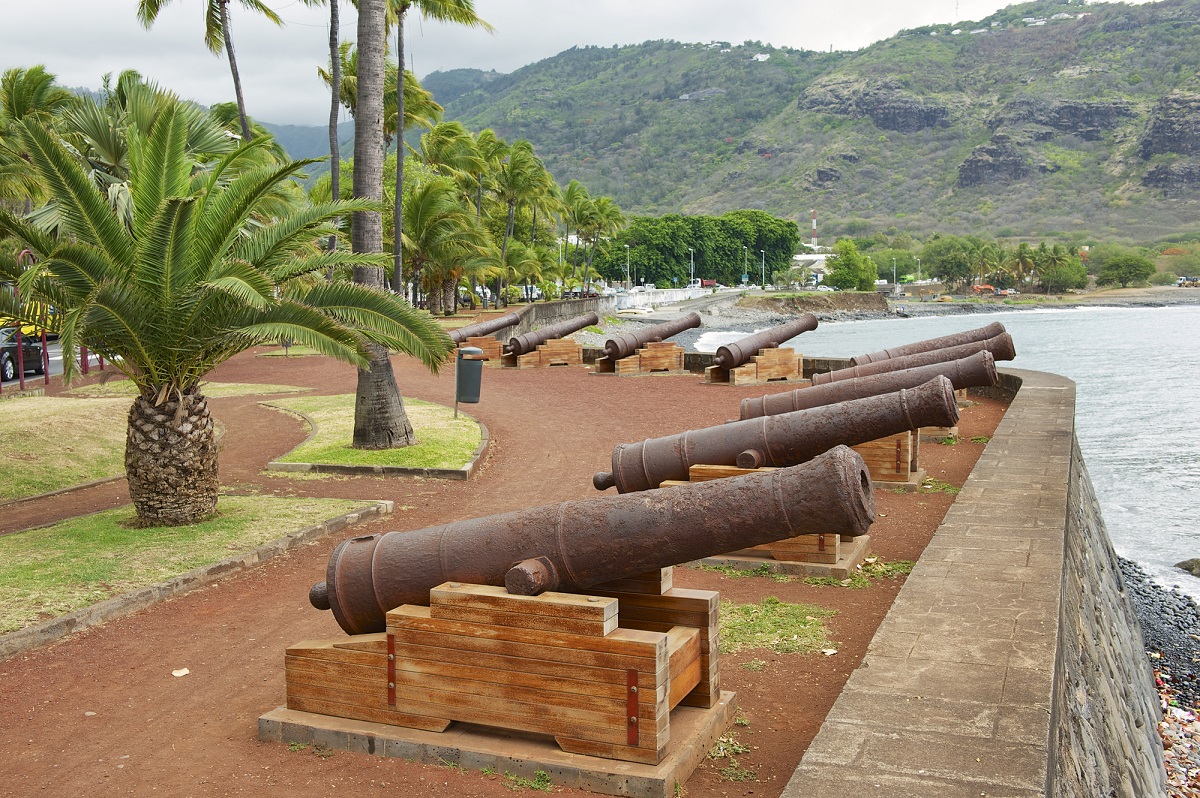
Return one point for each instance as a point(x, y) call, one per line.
point(484, 327)
point(527, 342)
point(625, 344)
point(730, 356)
point(782, 440)
point(1001, 348)
point(969, 372)
point(928, 345)
point(576, 545)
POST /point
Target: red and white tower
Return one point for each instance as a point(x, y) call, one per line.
point(814, 228)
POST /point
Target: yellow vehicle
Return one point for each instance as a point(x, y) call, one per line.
point(39, 310)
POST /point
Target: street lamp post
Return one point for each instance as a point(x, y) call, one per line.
point(918, 270)
point(628, 282)
point(692, 258)
point(763, 252)
point(893, 274)
point(745, 254)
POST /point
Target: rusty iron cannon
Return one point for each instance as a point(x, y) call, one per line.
point(528, 342)
point(1001, 348)
point(781, 440)
point(580, 544)
point(945, 342)
point(978, 370)
point(484, 327)
point(625, 344)
point(735, 354)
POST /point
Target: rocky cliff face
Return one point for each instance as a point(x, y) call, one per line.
point(1088, 120)
point(887, 105)
point(1001, 160)
point(1178, 175)
point(1173, 126)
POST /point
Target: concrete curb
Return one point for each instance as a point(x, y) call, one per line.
point(463, 473)
point(119, 606)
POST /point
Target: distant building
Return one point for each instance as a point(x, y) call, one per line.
point(761, 57)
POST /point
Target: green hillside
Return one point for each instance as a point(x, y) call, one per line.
point(1045, 119)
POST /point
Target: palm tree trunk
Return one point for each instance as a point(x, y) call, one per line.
point(237, 80)
point(171, 459)
point(335, 71)
point(379, 418)
point(397, 247)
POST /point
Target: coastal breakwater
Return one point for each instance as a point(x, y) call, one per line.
point(1011, 662)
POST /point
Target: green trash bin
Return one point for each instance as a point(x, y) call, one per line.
point(468, 374)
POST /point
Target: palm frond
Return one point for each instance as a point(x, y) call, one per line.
point(81, 206)
point(384, 319)
point(165, 267)
point(158, 168)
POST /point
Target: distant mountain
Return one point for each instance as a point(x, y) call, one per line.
point(309, 141)
point(1045, 119)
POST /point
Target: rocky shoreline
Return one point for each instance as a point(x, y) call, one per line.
point(1170, 624)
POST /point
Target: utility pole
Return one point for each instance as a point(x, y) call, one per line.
point(764, 268)
point(692, 258)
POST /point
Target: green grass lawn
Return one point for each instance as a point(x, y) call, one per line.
point(49, 442)
point(47, 572)
point(443, 441)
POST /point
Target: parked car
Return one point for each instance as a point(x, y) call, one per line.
point(32, 354)
point(825, 288)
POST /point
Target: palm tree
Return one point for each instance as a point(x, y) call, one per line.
point(1023, 262)
point(441, 234)
point(461, 12)
point(191, 280)
point(521, 178)
point(605, 220)
point(25, 94)
point(217, 31)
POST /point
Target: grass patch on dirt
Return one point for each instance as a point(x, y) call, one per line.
point(778, 626)
point(50, 443)
point(291, 351)
point(214, 390)
point(50, 571)
point(871, 568)
point(443, 441)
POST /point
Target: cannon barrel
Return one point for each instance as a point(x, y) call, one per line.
point(1001, 348)
point(730, 356)
point(782, 440)
point(625, 344)
point(579, 544)
point(527, 342)
point(969, 372)
point(484, 327)
point(928, 345)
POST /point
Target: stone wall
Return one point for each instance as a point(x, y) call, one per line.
point(1105, 711)
point(1010, 663)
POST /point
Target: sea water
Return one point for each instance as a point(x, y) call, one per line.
point(1137, 417)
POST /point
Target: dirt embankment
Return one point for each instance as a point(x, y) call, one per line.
point(824, 302)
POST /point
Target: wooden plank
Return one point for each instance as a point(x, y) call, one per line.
point(388, 716)
point(493, 350)
point(325, 650)
point(643, 756)
point(716, 375)
point(654, 582)
point(559, 605)
point(684, 644)
point(438, 656)
point(520, 620)
point(517, 675)
point(375, 643)
point(704, 472)
point(605, 365)
point(623, 642)
point(561, 352)
point(525, 717)
point(888, 459)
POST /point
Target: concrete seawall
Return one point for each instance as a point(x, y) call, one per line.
point(1011, 663)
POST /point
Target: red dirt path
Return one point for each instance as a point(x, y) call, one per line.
point(100, 714)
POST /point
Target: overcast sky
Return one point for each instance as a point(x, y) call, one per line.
point(81, 40)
